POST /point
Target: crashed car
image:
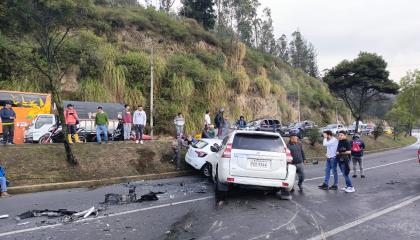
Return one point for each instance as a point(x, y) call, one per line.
point(200, 155)
point(256, 159)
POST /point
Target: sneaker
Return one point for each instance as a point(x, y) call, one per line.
point(350, 190)
point(363, 176)
point(300, 187)
point(141, 142)
point(333, 187)
point(5, 194)
point(137, 141)
point(323, 186)
point(343, 189)
point(354, 176)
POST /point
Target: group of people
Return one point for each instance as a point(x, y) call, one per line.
point(339, 155)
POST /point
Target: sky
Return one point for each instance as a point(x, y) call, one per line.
point(340, 29)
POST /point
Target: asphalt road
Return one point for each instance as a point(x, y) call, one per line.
point(386, 205)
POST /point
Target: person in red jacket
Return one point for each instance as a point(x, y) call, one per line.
point(127, 121)
point(72, 119)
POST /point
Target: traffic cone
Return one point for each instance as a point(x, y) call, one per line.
point(69, 138)
point(76, 138)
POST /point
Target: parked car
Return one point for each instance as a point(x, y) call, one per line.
point(298, 128)
point(335, 128)
point(267, 125)
point(253, 158)
point(200, 155)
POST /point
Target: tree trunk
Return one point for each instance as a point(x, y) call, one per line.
point(69, 153)
point(356, 130)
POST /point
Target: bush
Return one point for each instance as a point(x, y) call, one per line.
point(137, 67)
point(378, 131)
point(241, 80)
point(187, 65)
point(211, 59)
point(313, 136)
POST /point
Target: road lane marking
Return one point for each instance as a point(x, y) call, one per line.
point(157, 206)
point(369, 168)
point(366, 218)
point(105, 216)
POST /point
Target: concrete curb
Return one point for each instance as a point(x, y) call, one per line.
point(93, 183)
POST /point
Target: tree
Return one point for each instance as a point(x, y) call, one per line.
point(166, 5)
point(48, 25)
point(361, 83)
point(245, 12)
point(298, 51)
point(202, 11)
point(283, 50)
point(267, 40)
point(312, 68)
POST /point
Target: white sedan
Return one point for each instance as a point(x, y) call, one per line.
point(200, 156)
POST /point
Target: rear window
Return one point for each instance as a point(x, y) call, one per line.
point(260, 142)
point(200, 144)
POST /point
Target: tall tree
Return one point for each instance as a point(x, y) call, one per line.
point(298, 51)
point(267, 40)
point(283, 48)
point(361, 82)
point(312, 68)
point(166, 5)
point(245, 12)
point(47, 24)
point(202, 11)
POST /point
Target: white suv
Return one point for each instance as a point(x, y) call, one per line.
point(253, 158)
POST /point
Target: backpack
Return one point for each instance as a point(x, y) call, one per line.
point(356, 147)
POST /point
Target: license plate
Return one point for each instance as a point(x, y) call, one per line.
point(260, 164)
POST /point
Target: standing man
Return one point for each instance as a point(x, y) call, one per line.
point(296, 149)
point(343, 159)
point(331, 143)
point(127, 121)
point(218, 121)
point(72, 119)
point(139, 121)
point(8, 117)
point(101, 122)
point(207, 120)
point(179, 122)
point(357, 148)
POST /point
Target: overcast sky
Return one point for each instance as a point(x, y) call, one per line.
point(340, 29)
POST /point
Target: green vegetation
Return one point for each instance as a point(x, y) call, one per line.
point(195, 70)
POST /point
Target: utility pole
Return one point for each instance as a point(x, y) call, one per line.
point(299, 101)
point(152, 63)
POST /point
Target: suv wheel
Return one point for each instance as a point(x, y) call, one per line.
point(220, 189)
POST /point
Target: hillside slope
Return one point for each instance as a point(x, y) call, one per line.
point(195, 70)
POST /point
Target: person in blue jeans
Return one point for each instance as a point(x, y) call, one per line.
point(3, 183)
point(343, 160)
point(101, 122)
point(331, 143)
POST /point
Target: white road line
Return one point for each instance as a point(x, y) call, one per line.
point(369, 168)
point(366, 218)
point(105, 216)
point(158, 206)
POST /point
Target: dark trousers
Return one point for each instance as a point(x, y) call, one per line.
point(139, 128)
point(300, 172)
point(8, 133)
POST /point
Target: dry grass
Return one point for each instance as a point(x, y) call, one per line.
point(241, 80)
point(263, 83)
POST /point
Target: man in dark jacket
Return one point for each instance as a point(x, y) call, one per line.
point(343, 160)
point(357, 148)
point(8, 123)
point(298, 156)
point(218, 121)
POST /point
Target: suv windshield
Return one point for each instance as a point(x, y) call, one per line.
point(258, 142)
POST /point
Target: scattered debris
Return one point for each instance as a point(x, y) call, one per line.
point(118, 199)
point(393, 182)
point(203, 189)
point(315, 162)
point(48, 213)
point(23, 223)
point(4, 216)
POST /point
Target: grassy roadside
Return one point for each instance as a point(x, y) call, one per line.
point(383, 142)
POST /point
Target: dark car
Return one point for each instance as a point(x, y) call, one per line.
point(298, 128)
point(266, 125)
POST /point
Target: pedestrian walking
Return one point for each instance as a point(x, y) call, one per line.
point(357, 149)
point(101, 122)
point(207, 119)
point(3, 183)
point(8, 117)
point(343, 160)
point(331, 143)
point(241, 123)
point(179, 122)
point(127, 122)
point(218, 121)
point(72, 119)
point(139, 121)
point(298, 156)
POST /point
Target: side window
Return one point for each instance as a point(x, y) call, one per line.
point(43, 120)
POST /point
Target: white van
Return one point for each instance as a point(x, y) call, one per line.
point(253, 158)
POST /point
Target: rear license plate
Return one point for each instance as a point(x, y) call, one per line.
point(260, 164)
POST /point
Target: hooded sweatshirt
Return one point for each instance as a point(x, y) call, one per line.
point(6, 115)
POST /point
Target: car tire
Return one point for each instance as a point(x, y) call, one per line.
point(220, 189)
point(206, 170)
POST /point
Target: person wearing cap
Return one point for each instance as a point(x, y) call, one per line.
point(72, 119)
point(8, 117)
point(298, 156)
point(101, 122)
point(357, 148)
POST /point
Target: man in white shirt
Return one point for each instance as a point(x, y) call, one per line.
point(207, 120)
point(331, 143)
point(139, 121)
